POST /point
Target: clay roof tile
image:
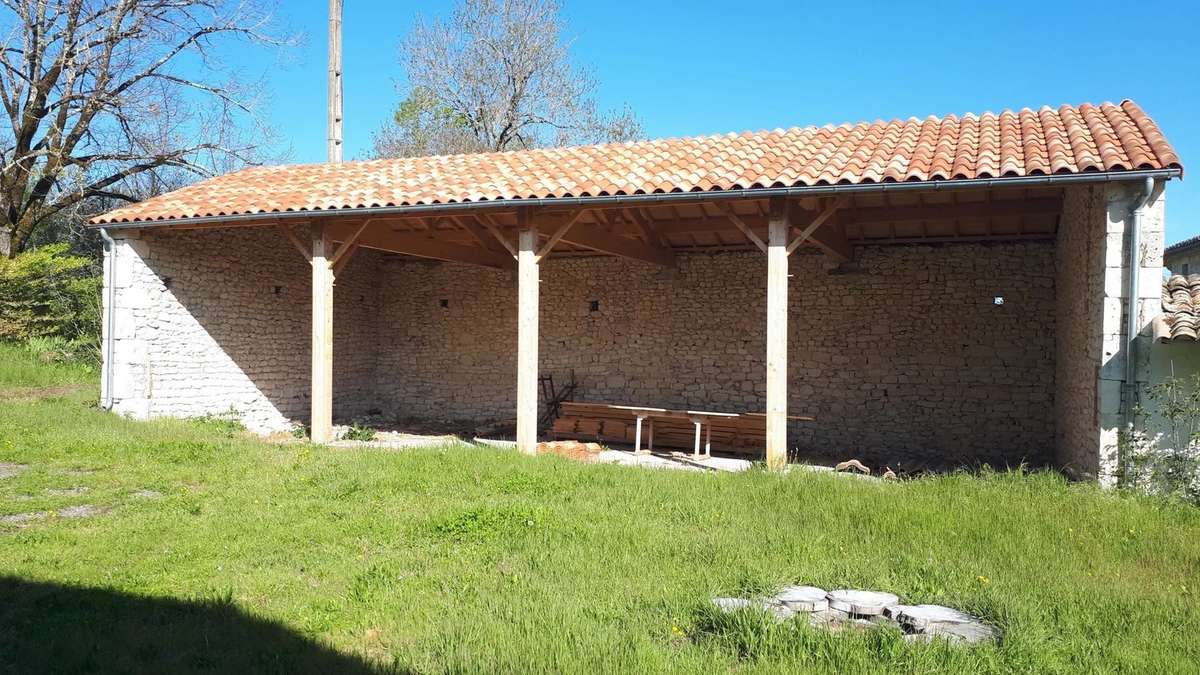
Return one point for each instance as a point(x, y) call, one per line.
point(1180, 318)
point(1108, 137)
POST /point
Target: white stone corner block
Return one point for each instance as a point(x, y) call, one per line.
point(1114, 250)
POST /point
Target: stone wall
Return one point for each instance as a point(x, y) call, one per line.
point(1079, 277)
point(213, 320)
point(1091, 269)
point(908, 360)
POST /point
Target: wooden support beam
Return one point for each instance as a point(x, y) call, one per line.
point(347, 248)
point(481, 234)
point(875, 214)
point(833, 242)
point(424, 246)
point(646, 226)
point(346, 252)
point(494, 230)
point(803, 235)
point(527, 333)
point(956, 239)
point(955, 210)
point(777, 315)
point(291, 236)
point(321, 421)
point(740, 224)
point(598, 240)
point(653, 238)
point(559, 234)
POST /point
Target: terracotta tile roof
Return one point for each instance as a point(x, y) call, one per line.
point(1071, 139)
point(1180, 320)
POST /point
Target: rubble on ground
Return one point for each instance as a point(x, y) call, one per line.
point(853, 609)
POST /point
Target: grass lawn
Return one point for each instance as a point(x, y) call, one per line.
point(215, 552)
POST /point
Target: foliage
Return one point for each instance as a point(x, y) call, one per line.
point(424, 125)
point(107, 100)
point(1166, 461)
point(58, 350)
point(496, 76)
point(454, 560)
point(47, 293)
point(358, 432)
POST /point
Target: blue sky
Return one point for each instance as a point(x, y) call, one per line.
point(690, 68)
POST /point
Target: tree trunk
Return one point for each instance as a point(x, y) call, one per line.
point(14, 237)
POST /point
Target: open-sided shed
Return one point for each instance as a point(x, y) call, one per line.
point(950, 290)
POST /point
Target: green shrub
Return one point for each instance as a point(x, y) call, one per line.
point(358, 432)
point(48, 293)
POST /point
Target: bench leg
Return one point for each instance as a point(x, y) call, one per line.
point(696, 448)
point(637, 436)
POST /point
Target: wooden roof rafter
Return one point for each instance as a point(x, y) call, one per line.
point(420, 245)
point(653, 232)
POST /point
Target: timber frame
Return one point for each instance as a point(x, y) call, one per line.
point(517, 238)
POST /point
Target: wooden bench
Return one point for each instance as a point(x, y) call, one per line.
point(740, 433)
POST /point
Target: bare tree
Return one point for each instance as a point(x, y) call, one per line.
point(496, 76)
point(107, 98)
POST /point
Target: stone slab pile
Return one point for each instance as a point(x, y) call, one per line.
point(852, 609)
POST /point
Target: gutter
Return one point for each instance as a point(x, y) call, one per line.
point(1132, 307)
point(668, 197)
point(110, 314)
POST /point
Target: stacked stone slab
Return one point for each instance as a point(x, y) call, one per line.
point(843, 609)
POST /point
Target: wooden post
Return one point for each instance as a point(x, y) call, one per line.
point(777, 310)
point(527, 333)
point(335, 81)
point(322, 337)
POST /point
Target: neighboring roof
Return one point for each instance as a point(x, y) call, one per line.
point(1069, 140)
point(1180, 319)
point(1182, 246)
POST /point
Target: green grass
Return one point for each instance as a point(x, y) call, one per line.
point(21, 370)
point(292, 558)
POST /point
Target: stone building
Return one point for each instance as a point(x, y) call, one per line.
point(955, 290)
point(1183, 258)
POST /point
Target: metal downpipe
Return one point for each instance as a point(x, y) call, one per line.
point(1132, 310)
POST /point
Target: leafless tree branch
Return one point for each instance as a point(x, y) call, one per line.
point(97, 93)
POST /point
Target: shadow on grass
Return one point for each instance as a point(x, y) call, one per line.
point(48, 628)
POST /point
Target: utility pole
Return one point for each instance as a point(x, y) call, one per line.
point(335, 80)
